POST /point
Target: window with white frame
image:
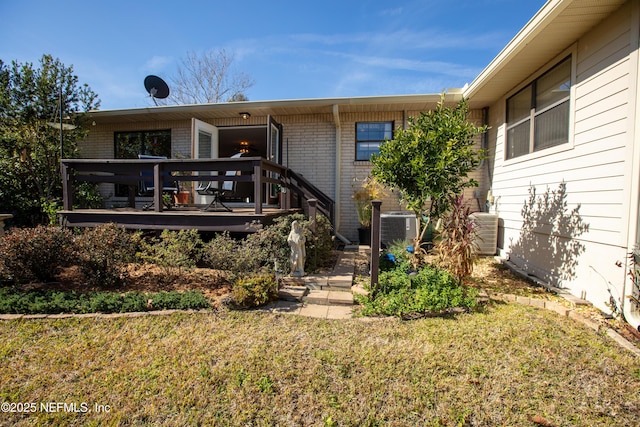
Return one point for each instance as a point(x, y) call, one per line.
point(538, 115)
point(369, 137)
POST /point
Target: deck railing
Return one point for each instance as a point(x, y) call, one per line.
point(130, 172)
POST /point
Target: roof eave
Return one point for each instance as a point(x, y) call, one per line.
point(538, 39)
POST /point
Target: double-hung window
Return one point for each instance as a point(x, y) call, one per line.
point(369, 137)
point(538, 115)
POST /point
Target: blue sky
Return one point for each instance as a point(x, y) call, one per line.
point(291, 49)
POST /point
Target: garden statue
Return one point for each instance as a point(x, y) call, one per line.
point(296, 241)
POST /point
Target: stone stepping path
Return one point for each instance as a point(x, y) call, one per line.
point(326, 296)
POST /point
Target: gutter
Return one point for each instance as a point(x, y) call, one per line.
point(633, 235)
point(338, 175)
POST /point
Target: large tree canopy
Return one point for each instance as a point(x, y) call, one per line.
point(30, 147)
point(429, 162)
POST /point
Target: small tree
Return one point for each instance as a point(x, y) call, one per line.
point(429, 162)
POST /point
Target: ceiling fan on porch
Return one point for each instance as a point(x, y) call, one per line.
point(156, 87)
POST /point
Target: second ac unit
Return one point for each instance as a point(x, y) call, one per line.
point(486, 232)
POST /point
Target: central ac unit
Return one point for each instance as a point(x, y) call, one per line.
point(397, 226)
point(486, 237)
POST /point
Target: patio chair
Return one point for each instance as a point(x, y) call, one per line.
point(210, 188)
point(147, 187)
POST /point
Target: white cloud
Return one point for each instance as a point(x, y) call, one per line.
point(157, 63)
point(391, 12)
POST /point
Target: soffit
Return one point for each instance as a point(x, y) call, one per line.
point(552, 30)
point(273, 108)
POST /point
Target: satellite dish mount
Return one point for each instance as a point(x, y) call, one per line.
point(156, 87)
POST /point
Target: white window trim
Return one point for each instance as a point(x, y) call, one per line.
point(572, 102)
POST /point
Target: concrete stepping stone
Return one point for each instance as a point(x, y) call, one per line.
point(340, 298)
point(316, 296)
point(292, 293)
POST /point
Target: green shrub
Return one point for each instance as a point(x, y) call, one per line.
point(189, 300)
point(53, 302)
point(260, 250)
point(35, 254)
point(174, 251)
point(431, 290)
point(270, 243)
point(395, 256)
point(87, 196)
point(220, 253)
point(254, 291)
point(104, 252)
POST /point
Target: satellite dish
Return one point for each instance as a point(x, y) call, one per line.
point(156, 87)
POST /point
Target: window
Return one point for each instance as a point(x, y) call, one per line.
point(369, 136)
point(538, 115)
point(129, 144)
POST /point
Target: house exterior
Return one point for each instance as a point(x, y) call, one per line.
point(328, 141)
point(562, 101)
point(563, 172)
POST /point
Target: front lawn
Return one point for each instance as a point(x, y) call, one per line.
point(504, 365)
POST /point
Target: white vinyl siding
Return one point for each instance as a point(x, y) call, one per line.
point(596, 168)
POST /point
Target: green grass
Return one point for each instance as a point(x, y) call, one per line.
point(503, 366)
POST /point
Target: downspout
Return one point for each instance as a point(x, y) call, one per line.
point(338, 176)
point(634, 209)
point(485, 146)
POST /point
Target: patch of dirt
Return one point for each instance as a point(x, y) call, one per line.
point(493, 276)
point(213, 284)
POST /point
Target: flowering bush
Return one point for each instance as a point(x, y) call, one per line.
point(363, 195)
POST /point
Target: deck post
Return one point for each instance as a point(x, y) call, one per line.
point(67, 187)
point(157, 187)
point(257, 187)
point(132, 196)
point(375, 241)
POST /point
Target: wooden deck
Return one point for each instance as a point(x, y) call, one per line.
point(239, 220)
point(264, 175)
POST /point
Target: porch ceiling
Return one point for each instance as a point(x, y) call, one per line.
point(274, 108)
point(552, 30)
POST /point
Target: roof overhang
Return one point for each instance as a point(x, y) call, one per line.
point(556, 26)
point(274, 108)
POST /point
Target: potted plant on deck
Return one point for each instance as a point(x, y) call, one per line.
point(363, 194)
